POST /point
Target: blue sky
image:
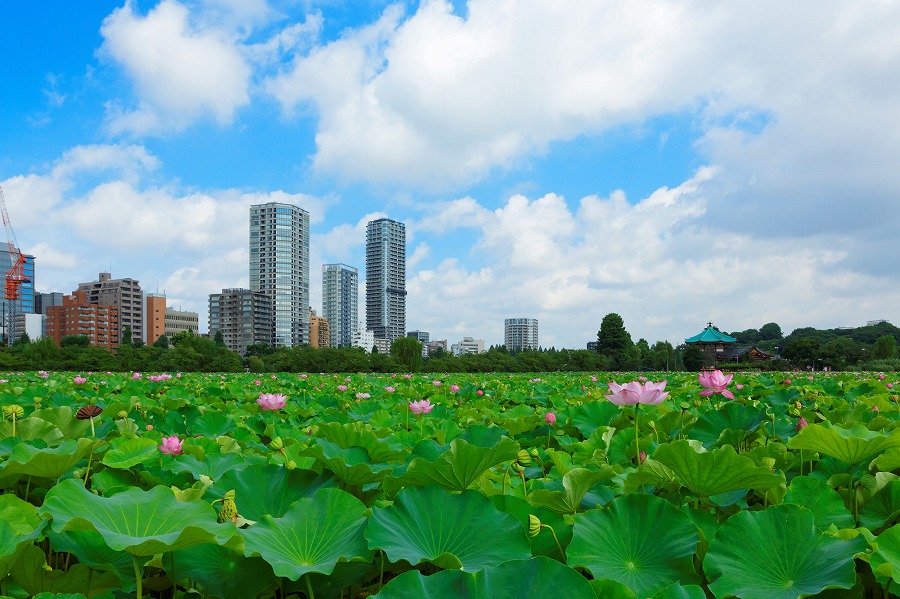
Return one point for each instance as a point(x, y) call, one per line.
point(669, 161)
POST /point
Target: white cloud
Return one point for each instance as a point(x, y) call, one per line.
point(180, 72)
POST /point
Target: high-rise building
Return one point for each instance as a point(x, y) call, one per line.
point(279, 267)
point(45, 300)
point(10, 309)
point(78, 316)
point(386, 278)
point(244, 318)
point(420, 336)
point(520, 334)
point(181, 320)
point(319, 331)
point(155, 312)
point(340, 302)
point(125, 295)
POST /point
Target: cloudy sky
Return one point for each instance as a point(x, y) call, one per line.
point(671, 161)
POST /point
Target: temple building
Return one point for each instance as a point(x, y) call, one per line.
point(718, 347)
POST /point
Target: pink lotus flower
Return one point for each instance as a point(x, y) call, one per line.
point(271, 401)
point(801, 424)
point(136, 376)
point(479, 393)
point(787, 381)
point(389, 389)
point(550, 418)
point(257, 382)
point(454, 388)
point(171, 446)
point(436, 383)
point(362, 396)
point(889, 386)
point(342, 387)
point(149, 427)
point(79, 380)
point(715, 382)
point(43, 374)
point(633, 393)
point(423, 406)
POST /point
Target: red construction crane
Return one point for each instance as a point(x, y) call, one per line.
point(15, 276)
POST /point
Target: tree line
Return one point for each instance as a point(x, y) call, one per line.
point(873, 347)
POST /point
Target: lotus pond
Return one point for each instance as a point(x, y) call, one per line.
point(409, 486)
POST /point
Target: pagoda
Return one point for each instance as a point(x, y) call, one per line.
point(716, 345)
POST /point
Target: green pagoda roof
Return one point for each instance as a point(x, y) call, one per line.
point(711, 335)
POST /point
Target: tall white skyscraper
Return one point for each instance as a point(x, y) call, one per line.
point(520, 334)
point(386, 278)
point(279, 267)
point(340, 302)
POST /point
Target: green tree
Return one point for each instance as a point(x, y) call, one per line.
point(219, 338)
point(692, 357)
point(74, 341)
point(885, 348)
point(162, 342)
point(126, 337)
point(614, 342)
point(770, 332)
point(408, 352)
point(802, 352)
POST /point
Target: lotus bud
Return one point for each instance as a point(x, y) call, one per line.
point(868, 482)
point(276, 443)
point(524, 458)
point(534, 525)
point(642, 456)
point(13, 412)
point(291, 465)
point(652, 425)
point(801, 424)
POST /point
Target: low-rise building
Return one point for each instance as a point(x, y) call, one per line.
point(177, 321)
point(468, 345)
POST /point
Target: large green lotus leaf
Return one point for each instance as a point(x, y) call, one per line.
point(714, 472)
point(588, 417)
point(778, 553)
point(213, 424)
point(822, 500)
point(32, 576)
point(64, 419)
point(47, 462)
point(215, 466)
point(457, 468)
point(269, 489)
point(642, 541)
point(883, 508)
point(140, 522)
point(351, 465)
point(223, 573)
point(885, 559)
point(576, 484)
point(356, 434)
point(126, 453)
point(592, 450)
point(32, 429)
point(313, 536)
point(55, 596)
point(852, 445)
point(90, 549)
point(537, 577)
point(20, 525)
point(610, 589)
point(428, 524)
point(889, 460)
point(733, 416)
point(677, 591)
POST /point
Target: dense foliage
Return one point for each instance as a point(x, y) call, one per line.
point(454, 485)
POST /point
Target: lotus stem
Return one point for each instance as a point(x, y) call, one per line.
point(27, 487)
point(524, 487)
point(637, 447)
point(87, 471)
point(309, 587)
point(137, 577)
point(380, 576)
point(13, 424)
point(558, 546)
point(93, 432)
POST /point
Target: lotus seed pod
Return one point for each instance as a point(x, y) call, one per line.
point(534, 453)
point(868, 482)
point(88, 412)
point(534, 525)
point(291, 465)
point(276, 443)
point(122, 414)
point(768, 462)
point(78, 473)
point(13, 412)
point(524, 458)
point(517, 468)
point(138, 406)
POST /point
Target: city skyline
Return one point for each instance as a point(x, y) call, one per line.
point(668, 161)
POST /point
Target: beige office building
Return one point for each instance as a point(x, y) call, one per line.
point(125, 295)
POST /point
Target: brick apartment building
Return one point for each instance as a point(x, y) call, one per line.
point(77, 316)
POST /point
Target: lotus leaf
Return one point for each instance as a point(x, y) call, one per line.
point(733, 416)
point(714, 472)
point(536, 577)
point(140, 522)
point(64, 419)
point(20, 525)
point(33, 429)
point(268, 489)
point(641, 541)
point(576, 484)
point(222, 572)
point(126, 453)
point(676, 591)
point(883, 508)
point(32, 576)
point(48, 462)
point(90, 549)
point(215, 466)
point(449, 530)
point(351, 465)
point(313, 536)
point(852, 445)
point(778, 553)
point(885, 559)
point(822, 500)
point(588, 417)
